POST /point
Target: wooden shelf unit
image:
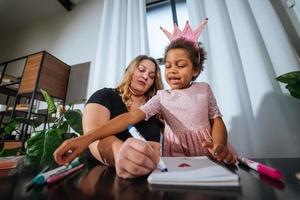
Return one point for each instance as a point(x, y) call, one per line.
point(44, 71)
point(41, 71)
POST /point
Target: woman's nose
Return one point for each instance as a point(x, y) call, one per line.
point(145, 76)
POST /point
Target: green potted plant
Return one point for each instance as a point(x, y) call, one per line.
point(39, 148)
point(292, 79)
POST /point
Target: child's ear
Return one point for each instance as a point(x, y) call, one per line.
point(196, 72)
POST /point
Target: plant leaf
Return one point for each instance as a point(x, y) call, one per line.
point(290, 77)
point(50, 102)
point(10, 126)
point(52, 141)
point(67, 136)
point(35, 146)
point(64, 127)
point(34, 123)
point(74, 119)
point(294, 89)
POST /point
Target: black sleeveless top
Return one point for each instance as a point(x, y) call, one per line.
point(111, 99)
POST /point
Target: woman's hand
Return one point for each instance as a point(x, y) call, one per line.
point(70, 149)
point(220, 152)
point(136, 158)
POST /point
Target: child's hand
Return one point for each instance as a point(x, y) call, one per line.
point(70, 149)
point(219, 152)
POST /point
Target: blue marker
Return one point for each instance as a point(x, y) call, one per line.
point(136, 134)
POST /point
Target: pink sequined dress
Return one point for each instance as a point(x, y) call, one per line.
point(186, 113)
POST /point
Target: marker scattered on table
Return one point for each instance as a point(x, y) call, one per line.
point(57, 177)
point(136, 134)
point(42, 177)
point(261, 168)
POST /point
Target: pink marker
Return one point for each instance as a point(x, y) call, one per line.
point(263, 169)
point(60, 176)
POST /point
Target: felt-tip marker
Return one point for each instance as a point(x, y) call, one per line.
point(136, 134)
point(261, 168)
point(55, 178)
point(42, 177)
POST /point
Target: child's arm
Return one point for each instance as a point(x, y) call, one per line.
point(94, 116)
point(218, 148)
point(72, 148)
point(218, 131)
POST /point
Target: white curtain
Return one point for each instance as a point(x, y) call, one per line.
point(247, 48)
point(122, 36)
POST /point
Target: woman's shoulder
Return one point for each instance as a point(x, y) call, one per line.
point(102, 94)
point(105, 92)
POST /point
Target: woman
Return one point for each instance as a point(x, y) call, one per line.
point(129, 156)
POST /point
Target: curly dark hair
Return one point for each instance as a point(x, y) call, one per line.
point(197, 54)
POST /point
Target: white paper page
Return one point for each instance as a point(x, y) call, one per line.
point(192, 170)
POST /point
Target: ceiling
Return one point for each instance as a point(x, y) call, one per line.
point(16, 14)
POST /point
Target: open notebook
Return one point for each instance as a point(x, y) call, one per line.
point(194, 171)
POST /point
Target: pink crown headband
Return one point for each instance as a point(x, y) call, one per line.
point(186, 33)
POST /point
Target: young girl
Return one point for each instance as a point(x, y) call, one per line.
point(193, 123)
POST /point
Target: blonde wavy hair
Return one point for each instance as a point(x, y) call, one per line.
point(123, 87)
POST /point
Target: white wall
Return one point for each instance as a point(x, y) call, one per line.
point(15, 68)
point(78, 81)
point(70, 36)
